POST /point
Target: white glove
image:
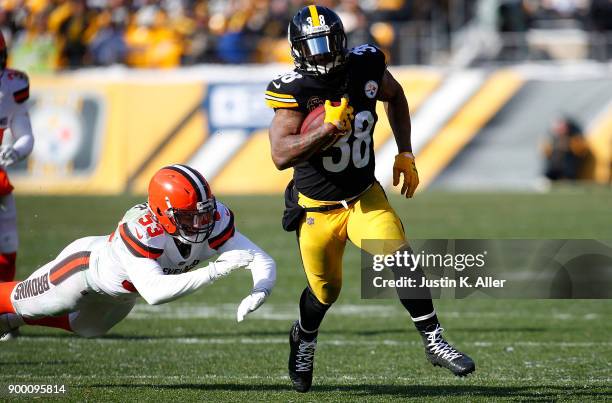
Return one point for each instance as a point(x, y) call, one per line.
point(8, 156)
point(229, 261)
point(252, 301)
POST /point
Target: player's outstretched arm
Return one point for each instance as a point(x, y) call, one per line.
point(263, 271)
point(19, 121)
point(288, 146)
point(398, 112)
point(23, 144)
point(157, 288)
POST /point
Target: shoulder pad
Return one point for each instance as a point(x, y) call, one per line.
point(142, 236)
point(281, 91)
point(368, 54)
point(224, 227)
point(18, 84)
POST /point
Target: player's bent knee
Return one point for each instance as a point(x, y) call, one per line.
point(83, 325)
point(329, 293)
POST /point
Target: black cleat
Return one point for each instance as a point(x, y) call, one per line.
point(442, 354)
point(301, 358)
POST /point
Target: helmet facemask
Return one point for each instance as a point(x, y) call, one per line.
point(193, 226)
point(182, 203)
point(320, 55)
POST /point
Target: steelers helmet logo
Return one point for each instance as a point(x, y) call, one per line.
point(371, 89)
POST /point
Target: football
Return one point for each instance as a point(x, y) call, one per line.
point(314, 120)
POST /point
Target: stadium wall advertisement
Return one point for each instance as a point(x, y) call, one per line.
point(106, 131)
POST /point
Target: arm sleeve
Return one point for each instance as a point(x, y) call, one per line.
point(263, 267)
point(280, 93)
point(157, 288)
point(21, 129)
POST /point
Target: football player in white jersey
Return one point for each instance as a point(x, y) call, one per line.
point(14, 92)
point(95, 281)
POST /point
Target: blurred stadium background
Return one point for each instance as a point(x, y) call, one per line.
point(120, 88)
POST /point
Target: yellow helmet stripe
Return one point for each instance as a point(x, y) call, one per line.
point(314, 14)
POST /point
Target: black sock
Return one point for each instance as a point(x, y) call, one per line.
point(418, 301)
point(426, 322)
point(312, 312)
point(422, 312)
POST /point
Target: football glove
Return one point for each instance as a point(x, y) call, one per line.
point(252, 301)
point(229, 261)
point(8, 156)
point(340, 116)
point(404, 164)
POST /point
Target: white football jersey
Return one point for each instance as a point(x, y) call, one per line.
point(139, 245)
point(14, 92)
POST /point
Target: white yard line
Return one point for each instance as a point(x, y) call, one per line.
point(283, 340)
point(288, 312)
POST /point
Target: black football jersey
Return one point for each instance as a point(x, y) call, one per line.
point(346, 168)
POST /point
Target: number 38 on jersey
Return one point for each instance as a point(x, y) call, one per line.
point(354, 149)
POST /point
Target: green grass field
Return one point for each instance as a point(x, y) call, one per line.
point(193, 349)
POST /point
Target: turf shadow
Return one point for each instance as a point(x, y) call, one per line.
point(540, 392)
point(54, 335)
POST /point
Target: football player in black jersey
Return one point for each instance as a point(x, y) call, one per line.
point(334, 175)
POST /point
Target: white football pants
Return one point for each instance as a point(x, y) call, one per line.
point(60, 287)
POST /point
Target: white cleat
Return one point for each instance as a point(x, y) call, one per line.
point(8, 331)
point(10, 335)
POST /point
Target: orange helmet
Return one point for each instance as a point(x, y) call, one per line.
point(182, 203)
point(3, 52)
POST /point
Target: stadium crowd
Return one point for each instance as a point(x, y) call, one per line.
point(46, 35)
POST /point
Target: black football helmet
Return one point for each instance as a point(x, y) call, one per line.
point(317, 39)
